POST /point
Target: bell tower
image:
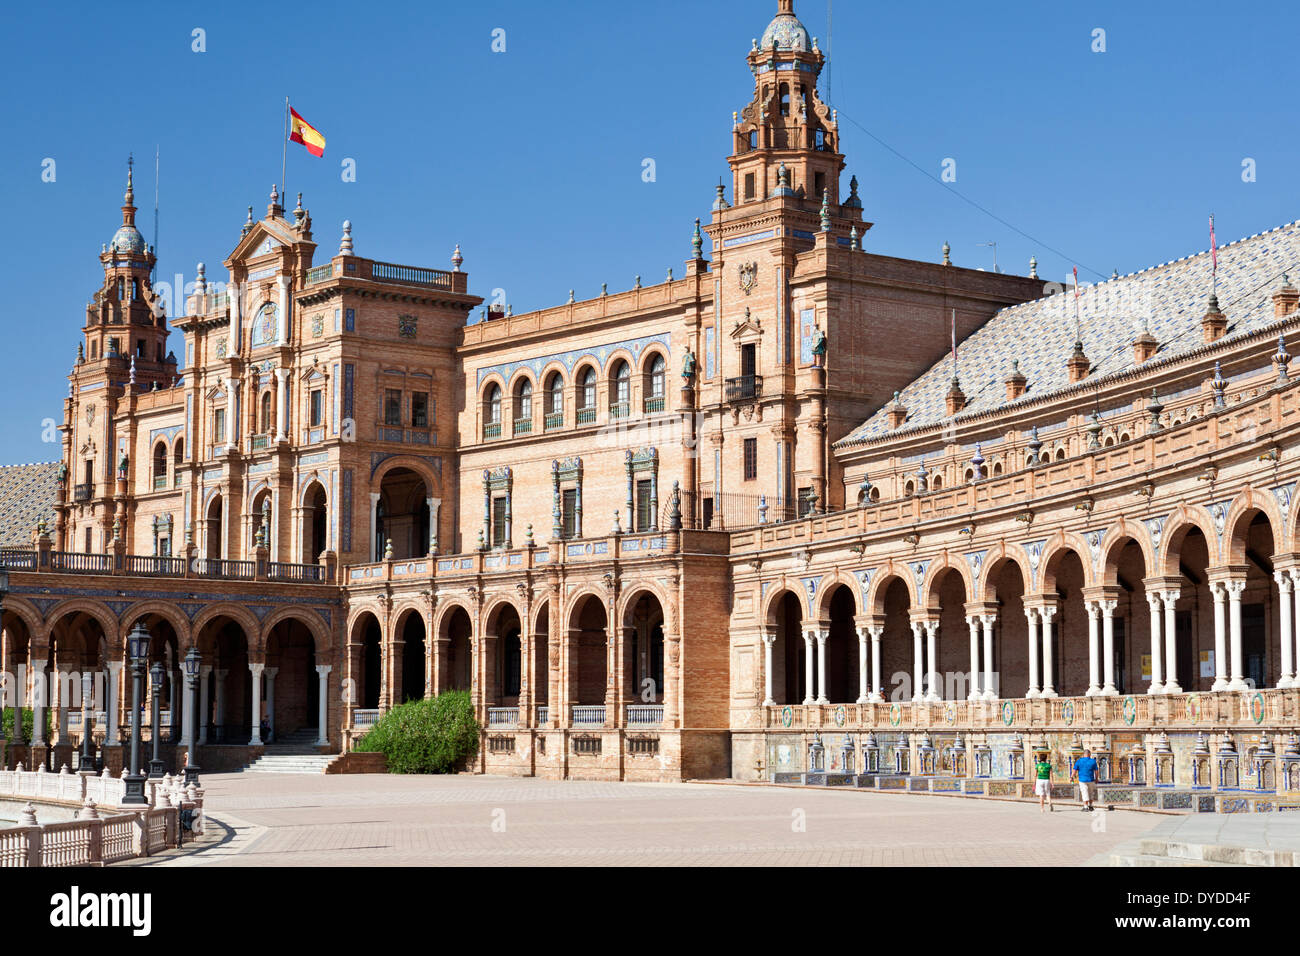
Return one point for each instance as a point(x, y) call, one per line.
point(786, 124)
point(126, 324)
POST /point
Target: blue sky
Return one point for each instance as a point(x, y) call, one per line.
point(531, 159)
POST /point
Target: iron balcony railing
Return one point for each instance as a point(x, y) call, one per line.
point(586, 416)
point(554, 420)
point(492, 430)
point(83, 492)
point(523, 426)
point(744, 388)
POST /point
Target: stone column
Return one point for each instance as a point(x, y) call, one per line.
point(1171, 643)
point(931, 634)
point(1108, 647)
point(1157, 671)
point(863, 638)
point(1283, 579)
point(1220, 592)
point(282, 405)
point(808, 667)
point(877, 685)
point(322, 734)
point(270, 700)
point(282, 338)
point(1238, 682)
point(204, 672)
point(1047, 613)
point(39, 701)
point(917, 675)
point(220, 715)
point(256, 739)
point(974, 623)
point(988, 620)
point(1094, 648)
point(1031, 615)
point(61, 681)
point(769, 639)
point(822, 635)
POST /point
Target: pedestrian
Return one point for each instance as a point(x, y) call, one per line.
point(1043, 783)
point(1085, 771)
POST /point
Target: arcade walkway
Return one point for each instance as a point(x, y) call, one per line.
point(496, 821)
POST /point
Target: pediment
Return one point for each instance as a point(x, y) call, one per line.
point(267, 237)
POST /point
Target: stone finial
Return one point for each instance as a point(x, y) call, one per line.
point(1033, 267)
point(388, 550)
point(81, 356)
point(571, 298)
point(1016, 383)
point(826, 209)
point(720, 203)
point(864, 491)
point(977, 463)
point(1281, 359)
point(1094, 429)
point(638, 283)
point(1035, 446)
point(618, 528)
point(675, 508)
point(457, 260)
point(762, 509)
point(200, 280)
point(248, 223)
point(345, 246)
point(27, 815)
point(897, 412)
point(1214, 323)
point(697, 242)
point(1219, 385)
point(131, 379)
point(88, 811)
point(853, 239)
point(670, 274)
point(1154, 408)
point(947, 254)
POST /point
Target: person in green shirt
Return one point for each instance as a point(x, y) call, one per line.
point(1043, 781)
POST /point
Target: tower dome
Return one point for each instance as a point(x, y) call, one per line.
point(127, 239)
point(786, 30)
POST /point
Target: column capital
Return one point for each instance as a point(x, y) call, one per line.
point(1284, 579)
point(980, 608)
point(1103, 592)
point(869, 620)
point(1226, 573)
point(1164, 583)
point(256, 668)
point(1040, 602)
point(323, 669)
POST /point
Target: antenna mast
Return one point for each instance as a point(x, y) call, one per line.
point(153, 272)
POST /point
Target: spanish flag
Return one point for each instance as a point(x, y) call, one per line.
point(306, 134)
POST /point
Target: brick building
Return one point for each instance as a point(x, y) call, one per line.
point(684, 529)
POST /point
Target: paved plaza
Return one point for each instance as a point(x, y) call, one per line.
point(289, 820)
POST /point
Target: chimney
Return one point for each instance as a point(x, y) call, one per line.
point(897, 413)
point(1078, 365)
point(1285, 299)
point(1144, 346)
point(1215, 323)
point(956, 399)
point(1016, 382)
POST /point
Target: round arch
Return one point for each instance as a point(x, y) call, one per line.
point(881, 583)
point(308, 617)
point(1113, 544)
point(1237, 523)
point(1177, 527)
point(829, 584)
point(776, 594)
point(1057, 548)
point(938, 568)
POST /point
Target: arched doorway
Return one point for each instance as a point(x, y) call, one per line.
point(1006, 588)
point(458, 671)
point(413, 656)
point(588, 625)
point(227, 718)
point(842, 648)
point(293, 693)
point(644, 637)
point(370, 682)
point(315, 518)
point(894, 601)
point(402, 515)
point(214, 528)
point(786, 622)
point(504, 657)
point(1070, 674)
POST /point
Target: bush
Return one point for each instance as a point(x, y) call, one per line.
point(436, 735)
point(29, 721)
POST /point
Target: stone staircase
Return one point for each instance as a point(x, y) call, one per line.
point(292, 753)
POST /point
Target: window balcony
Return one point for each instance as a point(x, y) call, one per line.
point(159, 482)
point(586, 416)
point(654, 405)
point(492, 430)
point(524, 426)
point(83, 492)
point(259, 442)
point(745, 388)
point(619, 410)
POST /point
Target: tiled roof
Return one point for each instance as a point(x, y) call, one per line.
point(1170, 299)
point(27, 493)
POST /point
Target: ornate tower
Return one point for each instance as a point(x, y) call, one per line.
point(786, 124)
point(126, 325)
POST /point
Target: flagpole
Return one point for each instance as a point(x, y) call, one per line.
point(284, 147)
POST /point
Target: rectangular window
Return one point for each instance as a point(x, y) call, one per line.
point(706, 517)
point(89, 472)
point(645, 518)
point(819, 184)
point(165, 547)
point(498, 522)
point(317, 407)
point(90, 540)
point(393, 406)
point(569, 512)
point(803, 501)
point(749, 186)
point(351, 325)
point(420, 410)
point(219, 426)
point(751, 459)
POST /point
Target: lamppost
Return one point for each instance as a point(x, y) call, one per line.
point(191, 666)
point(138, 649)
point(155, 691)
point(87, 708)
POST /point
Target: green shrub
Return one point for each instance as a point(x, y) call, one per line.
point(29, 720)
point(436, 735)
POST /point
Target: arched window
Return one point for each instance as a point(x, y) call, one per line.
point(936, 482)
point(1060, 454)
point(908, 490)
point(160, 465)
point(656, 384)
point(785, 99)
point(178, 458)
point(554, 401)
point(266, 413)
point(492, 412)
point(523, 410)
point(620, 390)
point(997, 468)
point(586, 396)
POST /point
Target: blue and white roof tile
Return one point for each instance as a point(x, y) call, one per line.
point(1169, 299)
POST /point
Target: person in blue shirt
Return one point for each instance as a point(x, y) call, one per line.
point(1085, 771)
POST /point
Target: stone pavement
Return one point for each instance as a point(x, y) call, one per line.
point(284, 820)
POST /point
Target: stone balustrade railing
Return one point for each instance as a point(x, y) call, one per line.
point(1245, 710)
point(94, 838)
